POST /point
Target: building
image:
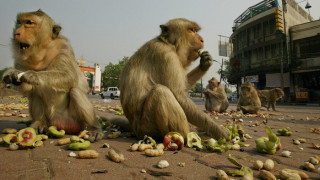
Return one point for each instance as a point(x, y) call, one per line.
point(265, 41)
point(305, 57)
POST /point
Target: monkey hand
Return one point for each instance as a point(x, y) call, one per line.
point(205, 61)
point(12, 77)
point(95, 135)
point(39, 126)
point(30, 77)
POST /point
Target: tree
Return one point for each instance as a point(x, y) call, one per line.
point(230, 73)
point(197, 88)
point(112, 72)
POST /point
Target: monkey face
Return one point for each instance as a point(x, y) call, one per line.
point(213, 84)
point(279, 92)
point(196, 42)
point(33, 30)
point(246, 89)
point(183, 34)
point(25, 33)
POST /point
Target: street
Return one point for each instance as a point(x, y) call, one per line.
point(53, 162)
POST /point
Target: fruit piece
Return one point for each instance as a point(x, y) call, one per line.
point(284, 173)
point(143, 147)
point(173, 141)
point(268, 144)
point(13, 147)
point(63, 141)
point(79, 145)
point(26, 137)
point(55, 133)
point(88, 154)
point(221, 175)
point(286, 153)
point(268, 164)
point(38, 144)
point(153, 152)
point(313, 161)
point(266, 175)
point(285, 132)
point(194, 140)
point(74, 139)
point(114, 156)
point(258, 164)
point(134, 147)
point(243, 169)
point(200, 52)
point(163, 164)
point(114, 135)
point(83, 133)
point(9, 131)
point(9, 138)
point(309, 166)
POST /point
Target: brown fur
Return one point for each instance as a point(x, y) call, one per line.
point(2, 90)
point(271, 96)
point(156, 102)
point(54, 84)
point(216, 97)
point(249, 101)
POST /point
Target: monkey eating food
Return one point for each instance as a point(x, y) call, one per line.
point(249, 101)
point(45, 70)
point(216, 97)
point(156, 101)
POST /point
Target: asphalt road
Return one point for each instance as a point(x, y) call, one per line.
point(53, 162)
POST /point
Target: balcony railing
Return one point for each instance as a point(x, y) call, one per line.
point(255, 10)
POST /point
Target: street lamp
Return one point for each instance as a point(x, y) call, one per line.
point(308, 6)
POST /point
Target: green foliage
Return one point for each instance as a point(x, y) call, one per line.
point(197, 88)
point(228, 90)
point(112, 72)
point(230, 73)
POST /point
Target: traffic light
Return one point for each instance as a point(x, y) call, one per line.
point(279, 20)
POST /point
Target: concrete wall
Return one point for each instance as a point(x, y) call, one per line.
point(295, 15)
point(305, 30)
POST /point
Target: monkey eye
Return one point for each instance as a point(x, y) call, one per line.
point(193, 30)
point(29, 22)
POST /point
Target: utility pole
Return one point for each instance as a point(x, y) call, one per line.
point(221, 71)
point(201, 89)
point(285, 38)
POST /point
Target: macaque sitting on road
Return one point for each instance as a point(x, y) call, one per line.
point(155, 81)
point(248, 102)
point(216, 97)
point(271, 96)
point(46, 71)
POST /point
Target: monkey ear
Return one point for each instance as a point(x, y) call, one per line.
point(164, 30)
point(56, 30)
point(218, 83)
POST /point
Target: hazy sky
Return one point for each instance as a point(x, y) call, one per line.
point(104, 31)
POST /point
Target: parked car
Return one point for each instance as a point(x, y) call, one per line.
point(111, 92)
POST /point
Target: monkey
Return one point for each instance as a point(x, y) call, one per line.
point(271, 96)
point(216, 97)
point(157, 73)
point(248, 102)
point(45, 70)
